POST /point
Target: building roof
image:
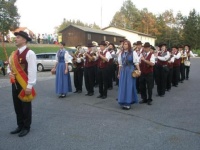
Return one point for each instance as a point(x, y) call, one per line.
point(91, 30)
point(31, 34)
point(139, 33)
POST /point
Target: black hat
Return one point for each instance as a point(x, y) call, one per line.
point(62, 43)
point(152, 47)
point(138, 43)
point(90, 45)
point(103, 43)
point(147, 44)
point(23, 34)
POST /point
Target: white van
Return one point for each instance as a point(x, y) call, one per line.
point(46, 61)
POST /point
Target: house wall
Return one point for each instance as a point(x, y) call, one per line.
point(73, 36)
point(131, 36)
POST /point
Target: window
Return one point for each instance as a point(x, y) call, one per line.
point(104, 38)
point(89, 36)
point(115, 39)
point(40, 56)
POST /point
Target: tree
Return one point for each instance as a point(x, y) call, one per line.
point(128, 17)
point(148, 23)
point(9, 17)
point(191, 29)
point(66, 23)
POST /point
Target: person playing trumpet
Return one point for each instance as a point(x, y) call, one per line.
point(78, 61)
point(103, 58)
point(89, 70)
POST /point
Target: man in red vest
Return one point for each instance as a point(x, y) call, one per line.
point(162, 69)
point(104, 57)
point(146, 78)
point(22, 71)
point(176, 66)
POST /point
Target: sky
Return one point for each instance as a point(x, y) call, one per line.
point(42, 16)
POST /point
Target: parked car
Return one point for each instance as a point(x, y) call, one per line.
point(46, 61)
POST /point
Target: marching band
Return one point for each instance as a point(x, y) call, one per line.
point(157, 66)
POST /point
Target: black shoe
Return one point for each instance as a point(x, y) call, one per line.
point(76, 91)
point(143, 101)
point(149, 103)
point(24, 132)
point(79, 91)
point(87, 94)
point(17, 130)
point(100, 96)
point(104, 97)
point(110, 88)
point(161, 95)
point(90, 94)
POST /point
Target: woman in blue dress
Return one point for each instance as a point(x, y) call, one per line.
point(63, 79)
point(128, 60)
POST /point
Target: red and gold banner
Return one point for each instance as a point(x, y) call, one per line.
point(21, 77)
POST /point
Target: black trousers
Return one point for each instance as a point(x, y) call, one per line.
point(176, 75)
point(187, 71)
point(103, 81)
point(110, 75)
point(146, 86)
point(96, 82)
point(182, 72)
point(89, 73)
point(78, 78)
point(169, 79)
point(3, 71)
point(138, 84)
point(23, 110)
point(161, 79)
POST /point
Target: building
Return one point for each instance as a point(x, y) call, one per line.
point(73, 35)
point(131, 35)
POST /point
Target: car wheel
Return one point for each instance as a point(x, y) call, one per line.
point(40, 67)
point(70, 67)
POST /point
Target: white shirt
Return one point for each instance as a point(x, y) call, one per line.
point(177, 56)
point(164, 58)
point(152, 59)
point(32, 66)
point(67, 56)
point(171, 60)
point(108, 55)
point(135, 58)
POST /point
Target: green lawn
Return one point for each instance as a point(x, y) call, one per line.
point(37, 48)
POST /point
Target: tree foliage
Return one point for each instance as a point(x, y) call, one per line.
point(167, 27)
point(65, 23)
point(9, 17)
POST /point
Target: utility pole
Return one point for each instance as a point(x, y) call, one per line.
point(101, 14)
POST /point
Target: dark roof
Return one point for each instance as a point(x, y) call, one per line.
point(139, 33)
point(91, 30)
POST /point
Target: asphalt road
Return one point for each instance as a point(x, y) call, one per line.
point(80, 122)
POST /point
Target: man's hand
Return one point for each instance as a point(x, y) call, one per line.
point(28, 91)
point(66, 71)
point(11, 75)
